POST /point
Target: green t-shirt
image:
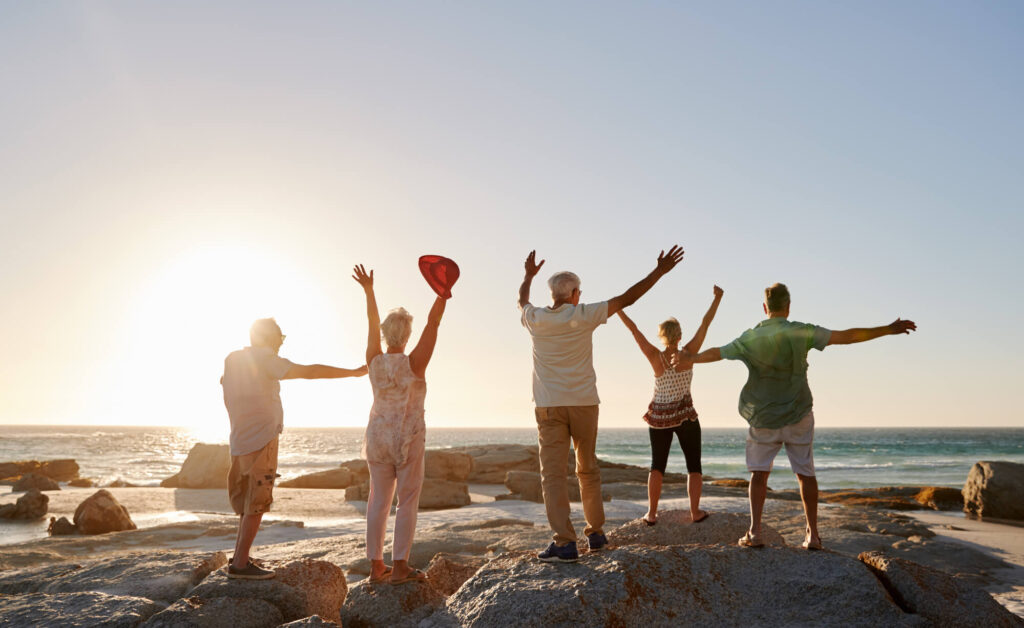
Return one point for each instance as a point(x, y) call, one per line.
point(775, 352)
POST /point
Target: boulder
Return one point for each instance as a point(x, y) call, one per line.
point(121, 483)
point(940, 498)
point(886, 497)
point(937, 597)
point(301, 588)
point(332, 478)
point(358, 468)
point(323, 583)
point(679, 585)
point(995, 490)
point(31, 481)
point(206, 466)
point(675, 527)
point(437, 494)
point(63, 470)
point(731, 482)
point(75, 610)
point(491, 462)
point(444, 464)
point(447, 572)
point(102, 513)
point(195, 612)
point(81, 483)
point(358, 492)
point(61, 527)
point(383, 604)
point(163, 576)
point(31, 505)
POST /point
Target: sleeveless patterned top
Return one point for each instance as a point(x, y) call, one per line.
point(672, 403)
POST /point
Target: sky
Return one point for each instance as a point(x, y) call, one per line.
point(169, 172)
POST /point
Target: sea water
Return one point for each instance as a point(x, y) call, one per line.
point(845, 458)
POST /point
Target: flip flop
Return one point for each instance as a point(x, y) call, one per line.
point(706, 515)
point(650, 523)
point(414, 576)
point(750, 540)
point(383, 577)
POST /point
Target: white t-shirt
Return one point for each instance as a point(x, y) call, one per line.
point(563, 352)
point(252, 395)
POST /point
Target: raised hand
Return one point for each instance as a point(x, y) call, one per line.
point(900, 326)
point(364, 280)
point(532, 267)
point(718, 292)
point(668, 261)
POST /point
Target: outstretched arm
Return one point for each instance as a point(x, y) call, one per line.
point(711, 355)
point(666, 262)
point(698, 338)
point(420, 356)
point(650, 351)
point(321, 371)
point(863, 334)
point(372, 315)
point(532, 268)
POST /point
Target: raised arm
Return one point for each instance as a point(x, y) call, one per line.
point(666, 262)
point(650, 351)
point(698, 338)
point(863, 334)
point(372, 315)
point(322, 371)
point(532, 268)
point(420, 356)
point(711, 355)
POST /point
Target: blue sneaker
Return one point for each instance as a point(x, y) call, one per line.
point(555, 554)
point(597, 541)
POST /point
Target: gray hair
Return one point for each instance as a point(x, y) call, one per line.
point(562, 284)
point(264, 333)
point(397, 327)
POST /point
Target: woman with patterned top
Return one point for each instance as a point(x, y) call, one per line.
point(671, 412)
point(395, 435)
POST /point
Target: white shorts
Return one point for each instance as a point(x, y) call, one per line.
point(763, 445)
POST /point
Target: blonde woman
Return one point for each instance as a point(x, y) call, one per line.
point(671, 412)
point(395, 435)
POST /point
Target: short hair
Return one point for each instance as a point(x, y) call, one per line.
point(776, 297)
point(562, 284)
point(670, 332)
point(264, 332)
point(397, 327)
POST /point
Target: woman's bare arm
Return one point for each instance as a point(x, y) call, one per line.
point(419, 358)
point(650, 351)
point(698, 338)
point(372, 315)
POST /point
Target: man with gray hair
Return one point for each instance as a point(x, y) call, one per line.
point(565, 395)
point(252, 396)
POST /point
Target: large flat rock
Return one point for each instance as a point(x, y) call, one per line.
point(75, 610)
point(195, 612)
point(675, 527)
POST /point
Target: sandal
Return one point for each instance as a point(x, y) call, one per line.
point(699, 519)
point(414, 576)
point(383, 577)
point(750, 540)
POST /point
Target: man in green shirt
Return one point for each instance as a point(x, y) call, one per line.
point(777, 402)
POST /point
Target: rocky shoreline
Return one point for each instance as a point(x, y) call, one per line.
point(881, 565)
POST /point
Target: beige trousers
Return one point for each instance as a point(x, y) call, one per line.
point(383, 478)
point(556, 426)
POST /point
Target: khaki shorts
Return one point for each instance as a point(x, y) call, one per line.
point(763, 444)
point(251, 480)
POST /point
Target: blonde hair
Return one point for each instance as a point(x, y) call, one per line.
point(670, 332)
point(397, 327)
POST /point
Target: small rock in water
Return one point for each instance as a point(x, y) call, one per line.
point(31, 505)
point(61, 526)
point(31, 481)
point(102, 513)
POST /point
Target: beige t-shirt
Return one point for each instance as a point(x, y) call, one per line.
point(252, 395)
point(563, 352)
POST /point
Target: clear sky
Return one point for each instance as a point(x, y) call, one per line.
point(171, 171)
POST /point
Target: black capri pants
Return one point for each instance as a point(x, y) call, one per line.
point(688, 433)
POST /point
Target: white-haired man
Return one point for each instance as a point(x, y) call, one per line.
point(252, 396)
point(565, 395)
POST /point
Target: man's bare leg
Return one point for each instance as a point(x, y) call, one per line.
point(758, 491)
point(248, 526)
point(809, 497)
point(653, 494)
point(694, 485)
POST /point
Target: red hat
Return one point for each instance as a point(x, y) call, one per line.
point(441, 273)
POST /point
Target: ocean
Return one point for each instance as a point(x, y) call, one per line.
point(845, 458)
